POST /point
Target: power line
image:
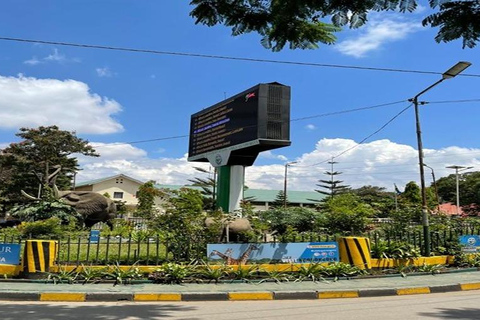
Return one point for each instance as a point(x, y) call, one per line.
point(292, 120)
point(209, 56)
point(299, 119)
point(347, 111)
point(366, 138)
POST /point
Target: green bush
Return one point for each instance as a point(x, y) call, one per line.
point(44, 229)
point(346, 214)
point(281, 219)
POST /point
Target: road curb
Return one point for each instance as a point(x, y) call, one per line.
point(231, 296)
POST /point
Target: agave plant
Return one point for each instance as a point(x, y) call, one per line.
point(245, 273)
point(64, 275)
point(340, 269)
point(171, 273)
point(90, 274)
point(212, 273)
point(309, 271)
point(121, 275)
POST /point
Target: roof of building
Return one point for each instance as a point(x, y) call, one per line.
point(96, 181)
point(257, 195)
point(262, 195)
point(450, 209)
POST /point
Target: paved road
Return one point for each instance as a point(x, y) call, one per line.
point(455, 305)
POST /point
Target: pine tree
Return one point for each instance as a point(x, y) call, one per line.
point(333, 186)
point(280, 200)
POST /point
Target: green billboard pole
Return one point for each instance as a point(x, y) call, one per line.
point(230, 187)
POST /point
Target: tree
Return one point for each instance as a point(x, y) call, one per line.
point(208, 186)
point(381, 201)
point(281, 219)
point(146, 199)
point(182, 227)
point(469, 186)
point(412, 194)
point(28, 163)
point(299, 22)
point(333, 186)
point(346, 214)
point(280, 200)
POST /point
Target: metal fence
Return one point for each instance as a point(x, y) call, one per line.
point(154, 251)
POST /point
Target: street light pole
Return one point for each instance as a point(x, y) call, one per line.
point(434, 186)
point(457, 170)
point(285, 183)
point(450, 73)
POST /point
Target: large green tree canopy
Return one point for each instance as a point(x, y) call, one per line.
point(26, 164)
point(299, 22)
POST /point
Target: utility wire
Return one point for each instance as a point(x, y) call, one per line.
point(347, 111)
point(292, 120)
point(198, 55)
point(364, 139)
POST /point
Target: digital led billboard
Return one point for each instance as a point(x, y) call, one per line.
point(255, 120)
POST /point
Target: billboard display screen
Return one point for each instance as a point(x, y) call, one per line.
point(256, 119)
point(228, 124)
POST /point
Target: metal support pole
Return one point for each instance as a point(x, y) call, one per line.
point(426, 231)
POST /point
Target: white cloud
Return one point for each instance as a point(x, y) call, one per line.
point(104, 72)
point(380, 163)
point(310, 127)
point(376, 34)
point(271, 155)
point(34, 61)
point(32, 102)
point(55, 56)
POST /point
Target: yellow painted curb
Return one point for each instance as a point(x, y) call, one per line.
point(56, 296)
point(250, 296)
point(10, 269)
point(470, 286)
point(420, 261)
point(157, 297)
point(419, 290)
point(337, 294)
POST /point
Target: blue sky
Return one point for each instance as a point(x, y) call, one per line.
point(111, 97)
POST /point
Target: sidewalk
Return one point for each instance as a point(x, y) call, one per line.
point(370, 287)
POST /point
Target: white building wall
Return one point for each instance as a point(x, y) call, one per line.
point(126, 187)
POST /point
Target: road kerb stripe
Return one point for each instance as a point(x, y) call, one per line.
point(337, 294)
point(470, 286)
point(62, 296)
point(157, 297)
point(250, 295)
point(418, 290)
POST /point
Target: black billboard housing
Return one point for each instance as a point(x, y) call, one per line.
point(235, 130)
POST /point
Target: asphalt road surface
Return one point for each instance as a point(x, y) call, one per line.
point(456, 305)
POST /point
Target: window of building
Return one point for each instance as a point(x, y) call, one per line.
point(120, 180)
point(118, 195)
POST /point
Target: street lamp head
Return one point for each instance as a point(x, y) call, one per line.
point(456, 69)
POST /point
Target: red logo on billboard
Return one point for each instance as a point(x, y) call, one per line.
point(249, 95)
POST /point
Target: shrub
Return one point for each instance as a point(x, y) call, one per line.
point(346, 214)
point(44, 229)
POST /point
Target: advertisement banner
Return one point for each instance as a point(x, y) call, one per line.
point(470, 244)
point(9, 253)
point(269, 253)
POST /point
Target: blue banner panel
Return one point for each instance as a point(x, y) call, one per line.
point(9, 253)
point(470, 244)
point(94, 236)
point(301, 252)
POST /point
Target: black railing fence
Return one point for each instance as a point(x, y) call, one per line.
point(153, 250)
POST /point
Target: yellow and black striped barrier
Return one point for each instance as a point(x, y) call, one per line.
point(39, 256)
point(355, 251)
